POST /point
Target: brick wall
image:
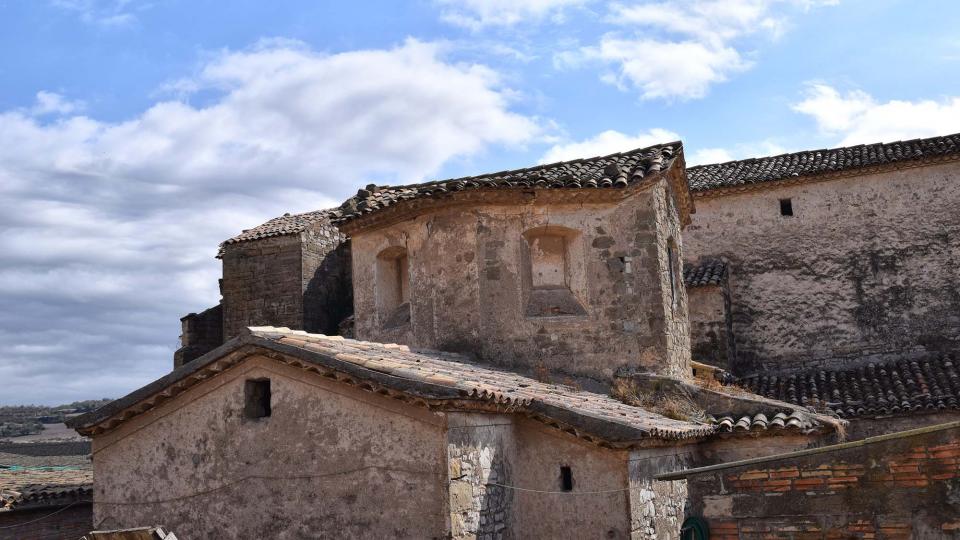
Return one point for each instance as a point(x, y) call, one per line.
point(896, 487)
point(71, 523)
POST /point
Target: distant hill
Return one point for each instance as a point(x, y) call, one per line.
point(19, 420)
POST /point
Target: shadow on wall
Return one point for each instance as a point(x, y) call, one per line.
point(328, 297)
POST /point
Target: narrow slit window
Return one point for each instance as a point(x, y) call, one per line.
point(672, 269)
point(256, 399)
point(566, 478)
point(786, 207)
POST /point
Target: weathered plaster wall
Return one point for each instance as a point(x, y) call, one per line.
point(301, 281)
point(861, 428)
point(657, 508)
point(467, 275)
point(505, 482)
point(740, 447)
point(598, 505)
point(711, 332)
point(902, 488)
point(330, 461)
point(865, 269)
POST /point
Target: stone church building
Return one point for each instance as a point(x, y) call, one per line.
point(613, 347)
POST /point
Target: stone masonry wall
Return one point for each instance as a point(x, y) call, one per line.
point(901, 488)
point(262, 284)
point(674, 303)
point(479, 454)
point(865, 269)
point(201, 333)
point(301, 281)
point(326, 280)
point(469, 287)
point(657, 508)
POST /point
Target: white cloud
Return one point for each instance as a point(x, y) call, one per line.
point(110, 228)
point(705, 156)
point(607, 142)
point(106, 13)
point(709, 155)
point(858, 118)
point(477, 14)
point(611, 141)
point(53, 103)
point(680, 48)
point(660, 69)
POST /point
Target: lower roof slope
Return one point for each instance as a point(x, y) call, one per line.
point(445, 381)
point(34, 475)
point(876, 389)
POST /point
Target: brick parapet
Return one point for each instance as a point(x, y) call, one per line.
point(897, 488)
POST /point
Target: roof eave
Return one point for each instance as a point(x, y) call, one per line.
point(436, 396)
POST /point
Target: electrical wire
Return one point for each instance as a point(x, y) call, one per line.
point(41, 518)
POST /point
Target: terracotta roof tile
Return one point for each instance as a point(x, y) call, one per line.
point(709, 272)
point(431, 375)
point(816, 162)
point(875, 389)
point(38, 495)
point(760, 422)
point(283, 225)
point(605, 172)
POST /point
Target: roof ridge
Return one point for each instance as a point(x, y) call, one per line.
point(819, 162)
point(672, 144)
point(826, 149)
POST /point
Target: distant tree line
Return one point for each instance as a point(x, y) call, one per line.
point(18, 420)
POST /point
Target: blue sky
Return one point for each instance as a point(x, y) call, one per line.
point(135, 136)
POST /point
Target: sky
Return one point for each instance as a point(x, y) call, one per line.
point(135, 136)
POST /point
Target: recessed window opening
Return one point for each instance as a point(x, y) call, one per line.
point(566, 478)
point(786, 207)
point(393, 286)
point(256, 398)
point(548, 261)
point(552, 265)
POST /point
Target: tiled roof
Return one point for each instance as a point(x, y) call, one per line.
point(45, 448)
point(793, 421)
point(709, 272)
point(606, 172)
point(445, 379)
point(818, 162)
point(43, 473)
point(38, 495)
point(283, 225)
point(872, 390)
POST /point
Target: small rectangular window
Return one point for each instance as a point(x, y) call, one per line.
point(786, 207)
point(256, 398)
point(566, 478)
